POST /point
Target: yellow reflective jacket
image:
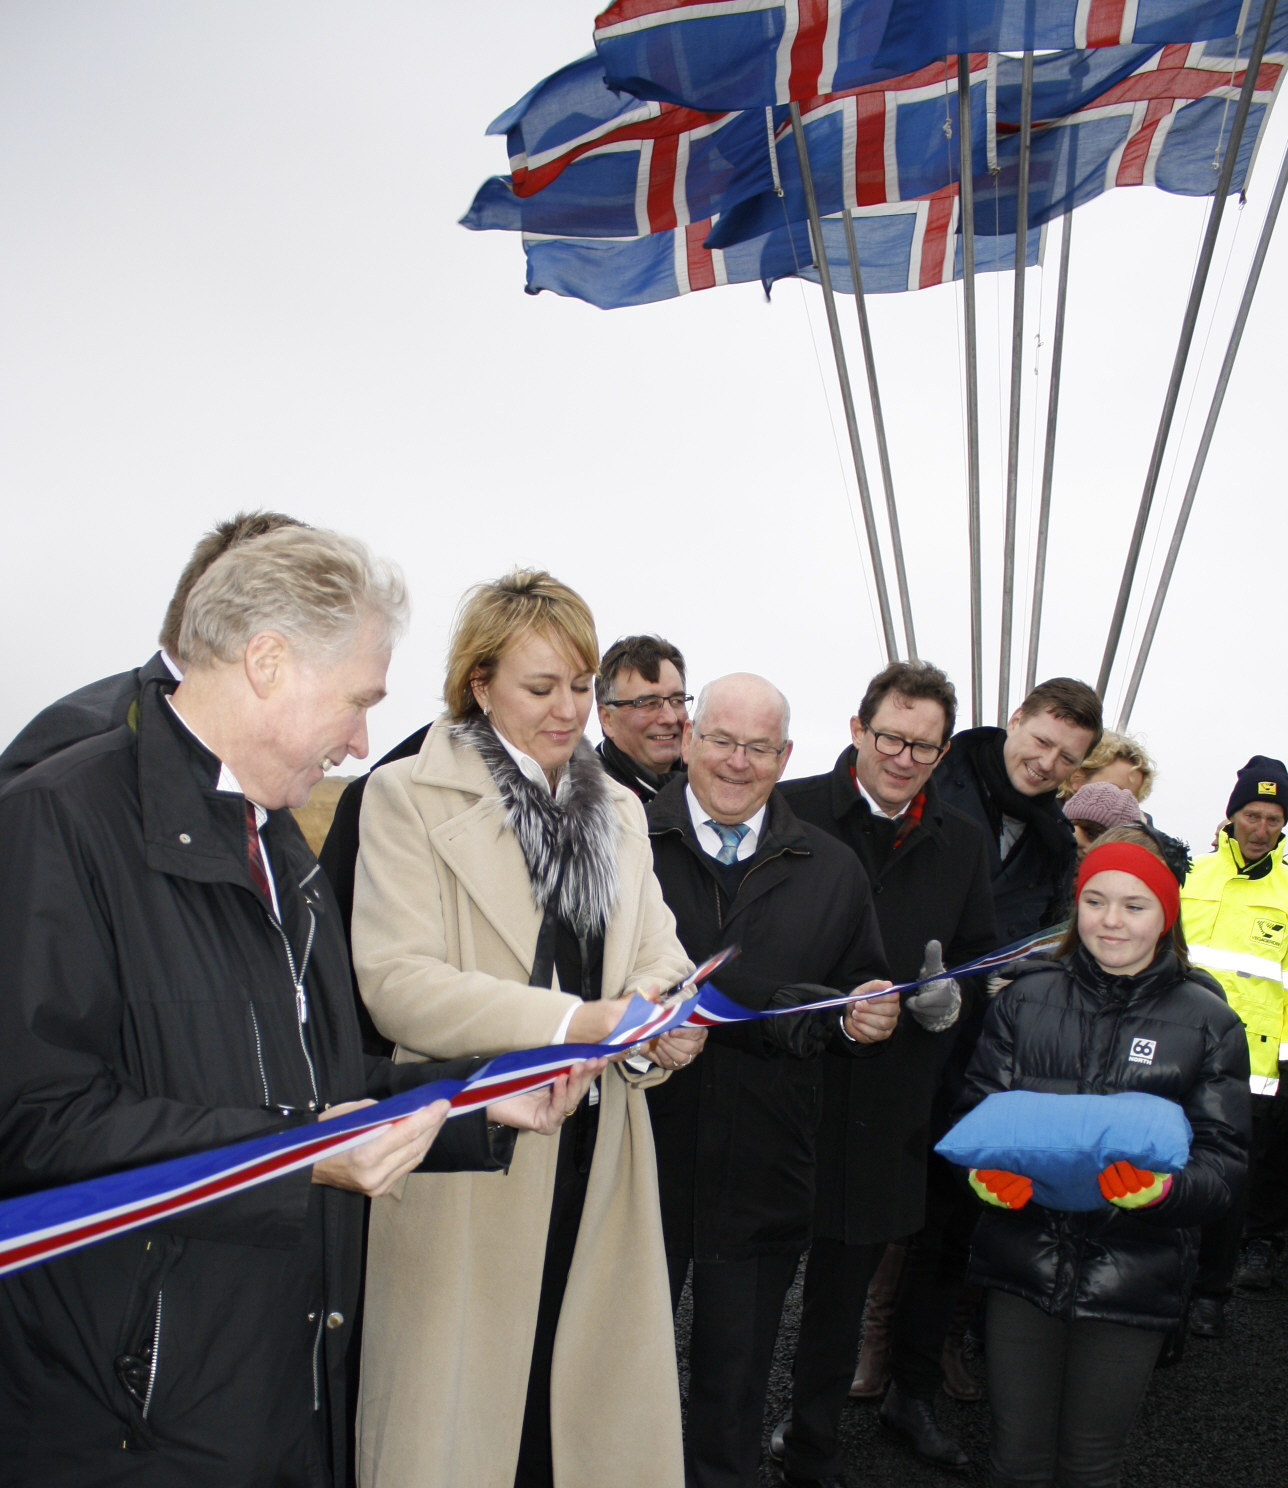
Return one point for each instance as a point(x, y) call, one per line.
point(1235, 918)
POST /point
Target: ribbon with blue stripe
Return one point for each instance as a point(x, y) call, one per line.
point(38, 1226)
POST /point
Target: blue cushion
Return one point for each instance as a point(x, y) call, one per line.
point(1062, 1142)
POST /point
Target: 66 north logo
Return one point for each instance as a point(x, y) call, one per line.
point(1142, 1051)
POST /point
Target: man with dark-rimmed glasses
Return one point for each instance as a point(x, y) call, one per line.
point(643, 708)
point(928, 866)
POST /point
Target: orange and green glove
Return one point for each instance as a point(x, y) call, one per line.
point(1001, 1189)
point(1130, 1187)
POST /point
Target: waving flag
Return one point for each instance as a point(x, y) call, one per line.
point(904, 245)
point(587, 160)
point(728, 54)
point(884, 142)
point(1165, 123)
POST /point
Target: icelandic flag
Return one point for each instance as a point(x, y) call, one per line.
point(730, 54)
point(884, 142)
point(587, 160)
point(902, 245)
point(1164, 122)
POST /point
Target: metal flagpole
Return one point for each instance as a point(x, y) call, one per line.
point(1183, 347)
point(1048, 463)
point(1017, 381)
point(847, 397)
point(966, 188)
point(883, 451)
point(1218, 397)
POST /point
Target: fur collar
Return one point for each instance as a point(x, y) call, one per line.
point(569, 840)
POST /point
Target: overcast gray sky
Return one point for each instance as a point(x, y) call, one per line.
point(233, 278)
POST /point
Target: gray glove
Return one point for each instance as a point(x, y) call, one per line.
point(938, 1003)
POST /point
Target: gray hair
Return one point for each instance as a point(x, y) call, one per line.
point(316, 589)
point(699, 711)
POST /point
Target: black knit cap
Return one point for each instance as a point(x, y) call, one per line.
point(1261, 779)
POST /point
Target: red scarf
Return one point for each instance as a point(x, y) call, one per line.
point(911, 817)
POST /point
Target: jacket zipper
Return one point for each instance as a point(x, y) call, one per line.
point(259, 1054)
point(156, 1356)
point(301, 1001)
point(317, 1346)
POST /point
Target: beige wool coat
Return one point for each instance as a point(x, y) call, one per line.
point(444, 936)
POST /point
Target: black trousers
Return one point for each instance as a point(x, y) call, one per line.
point(576, 1147)
point(836, 1283)
point(933, 1274)
point(736, 1309)
point(1063, 1395)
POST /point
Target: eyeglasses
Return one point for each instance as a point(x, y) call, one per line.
point(893, 745)
point(758, 753)
point(652, 703)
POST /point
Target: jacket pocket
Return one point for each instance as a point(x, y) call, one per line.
point(138, 1361)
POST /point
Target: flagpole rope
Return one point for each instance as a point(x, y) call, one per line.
point(1205, 441)
point(836, 437)
point(843, 376)
point(1183, 345)
point(1017, 386)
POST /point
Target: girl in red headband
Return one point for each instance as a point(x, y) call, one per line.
point(1080, 1304)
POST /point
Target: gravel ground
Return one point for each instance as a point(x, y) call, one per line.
point(1218, 1417)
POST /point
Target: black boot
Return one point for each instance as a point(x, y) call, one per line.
point(913, 1421)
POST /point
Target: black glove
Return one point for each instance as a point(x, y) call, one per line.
point(798, 1035)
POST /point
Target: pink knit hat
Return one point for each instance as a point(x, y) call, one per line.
point(1107, 805)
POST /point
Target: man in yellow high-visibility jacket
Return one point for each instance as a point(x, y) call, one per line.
point(1234, 911)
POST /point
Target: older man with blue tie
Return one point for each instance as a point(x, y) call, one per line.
point(735, 1131)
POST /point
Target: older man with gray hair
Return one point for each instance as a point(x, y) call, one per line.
point(175, 978)
point(735, 1130)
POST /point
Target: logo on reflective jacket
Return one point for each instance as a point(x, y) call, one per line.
point(1142, 1051)
point(1269, 933)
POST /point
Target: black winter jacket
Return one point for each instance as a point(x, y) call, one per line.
point(735, 1131)
point(1031, 887)
point(84, 714)
point(148, 1009)
point(1071, 1027)
point(875, 1130)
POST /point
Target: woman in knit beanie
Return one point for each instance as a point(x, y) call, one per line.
point(1094, 808)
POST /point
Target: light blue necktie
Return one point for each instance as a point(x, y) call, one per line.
point(730, 837)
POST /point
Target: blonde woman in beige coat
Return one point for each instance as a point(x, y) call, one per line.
point(502, 853)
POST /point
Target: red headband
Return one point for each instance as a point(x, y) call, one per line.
point(1130, 857)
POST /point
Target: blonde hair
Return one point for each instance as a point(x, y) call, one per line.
point(315, 588)
point(1112, 746)
point(493, 617)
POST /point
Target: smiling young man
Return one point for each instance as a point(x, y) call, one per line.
point(643, 708)
point(1006, 780)
point(1234, 911)
point(928, 865)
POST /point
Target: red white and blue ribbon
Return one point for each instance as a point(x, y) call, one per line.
point(36, 1227)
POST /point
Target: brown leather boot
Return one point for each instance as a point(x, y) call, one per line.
point(872, 1374)
point(959, 1382)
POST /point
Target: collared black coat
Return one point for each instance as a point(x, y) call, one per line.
point(148, 1009)
point(876, 1126)
point(1069, 1027)
point(735, 1131)
point(1031, 886)
point(83, 714)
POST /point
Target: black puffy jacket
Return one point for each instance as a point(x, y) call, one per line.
point(1070, 1027)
